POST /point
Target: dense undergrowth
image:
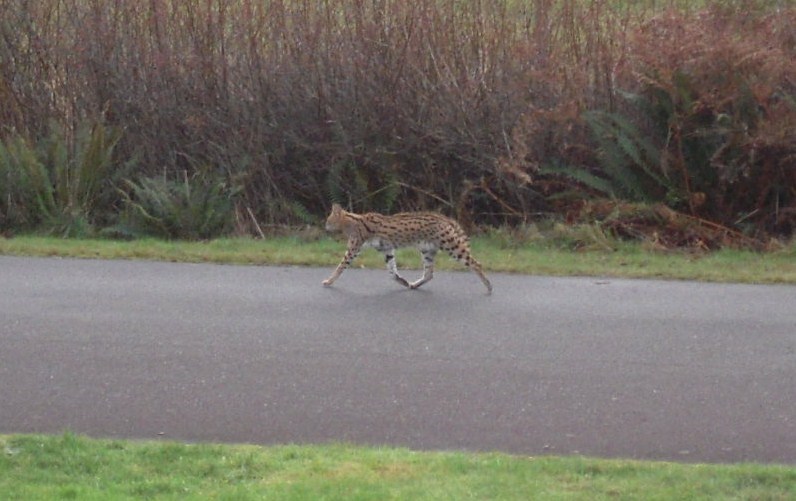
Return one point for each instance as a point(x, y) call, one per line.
point(669, 121)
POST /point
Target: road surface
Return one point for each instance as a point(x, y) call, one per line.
point(599, 367)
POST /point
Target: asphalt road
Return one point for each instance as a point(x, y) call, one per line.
point(611, 368)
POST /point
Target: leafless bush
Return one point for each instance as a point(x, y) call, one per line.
point(381, 104)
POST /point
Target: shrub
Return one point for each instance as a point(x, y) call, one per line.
point(706, 123)
point(459, 106)
point(19, 162)
point(717, 93)
point(194, 208)
point(61, 186)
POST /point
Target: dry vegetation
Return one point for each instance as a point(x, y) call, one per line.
point(159, 115)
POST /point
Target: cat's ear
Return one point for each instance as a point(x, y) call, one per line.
point(336, 208)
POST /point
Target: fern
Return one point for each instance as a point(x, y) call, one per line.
point(371, 188)
point(383, 198)
point(334, 183)
point(299, 211)
point(17, 161)
point(580, 175)
point(631, 162)
point(57, 186)
point(194, 208)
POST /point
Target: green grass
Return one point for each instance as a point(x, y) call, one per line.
point(75, 467)
point(497, 252)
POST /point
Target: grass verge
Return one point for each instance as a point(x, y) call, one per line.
point(498, 254)
point(76, 467)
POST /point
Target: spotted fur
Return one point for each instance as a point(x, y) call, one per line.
point(429, 232)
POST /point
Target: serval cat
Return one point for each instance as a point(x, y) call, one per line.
point(428, 231)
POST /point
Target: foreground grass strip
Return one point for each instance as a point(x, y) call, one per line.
point(626, 260)
point(76, 467)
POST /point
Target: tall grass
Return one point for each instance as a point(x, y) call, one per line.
point(387, 104)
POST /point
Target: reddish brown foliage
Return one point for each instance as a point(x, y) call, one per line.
point(389, 104)
point(729, 77)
